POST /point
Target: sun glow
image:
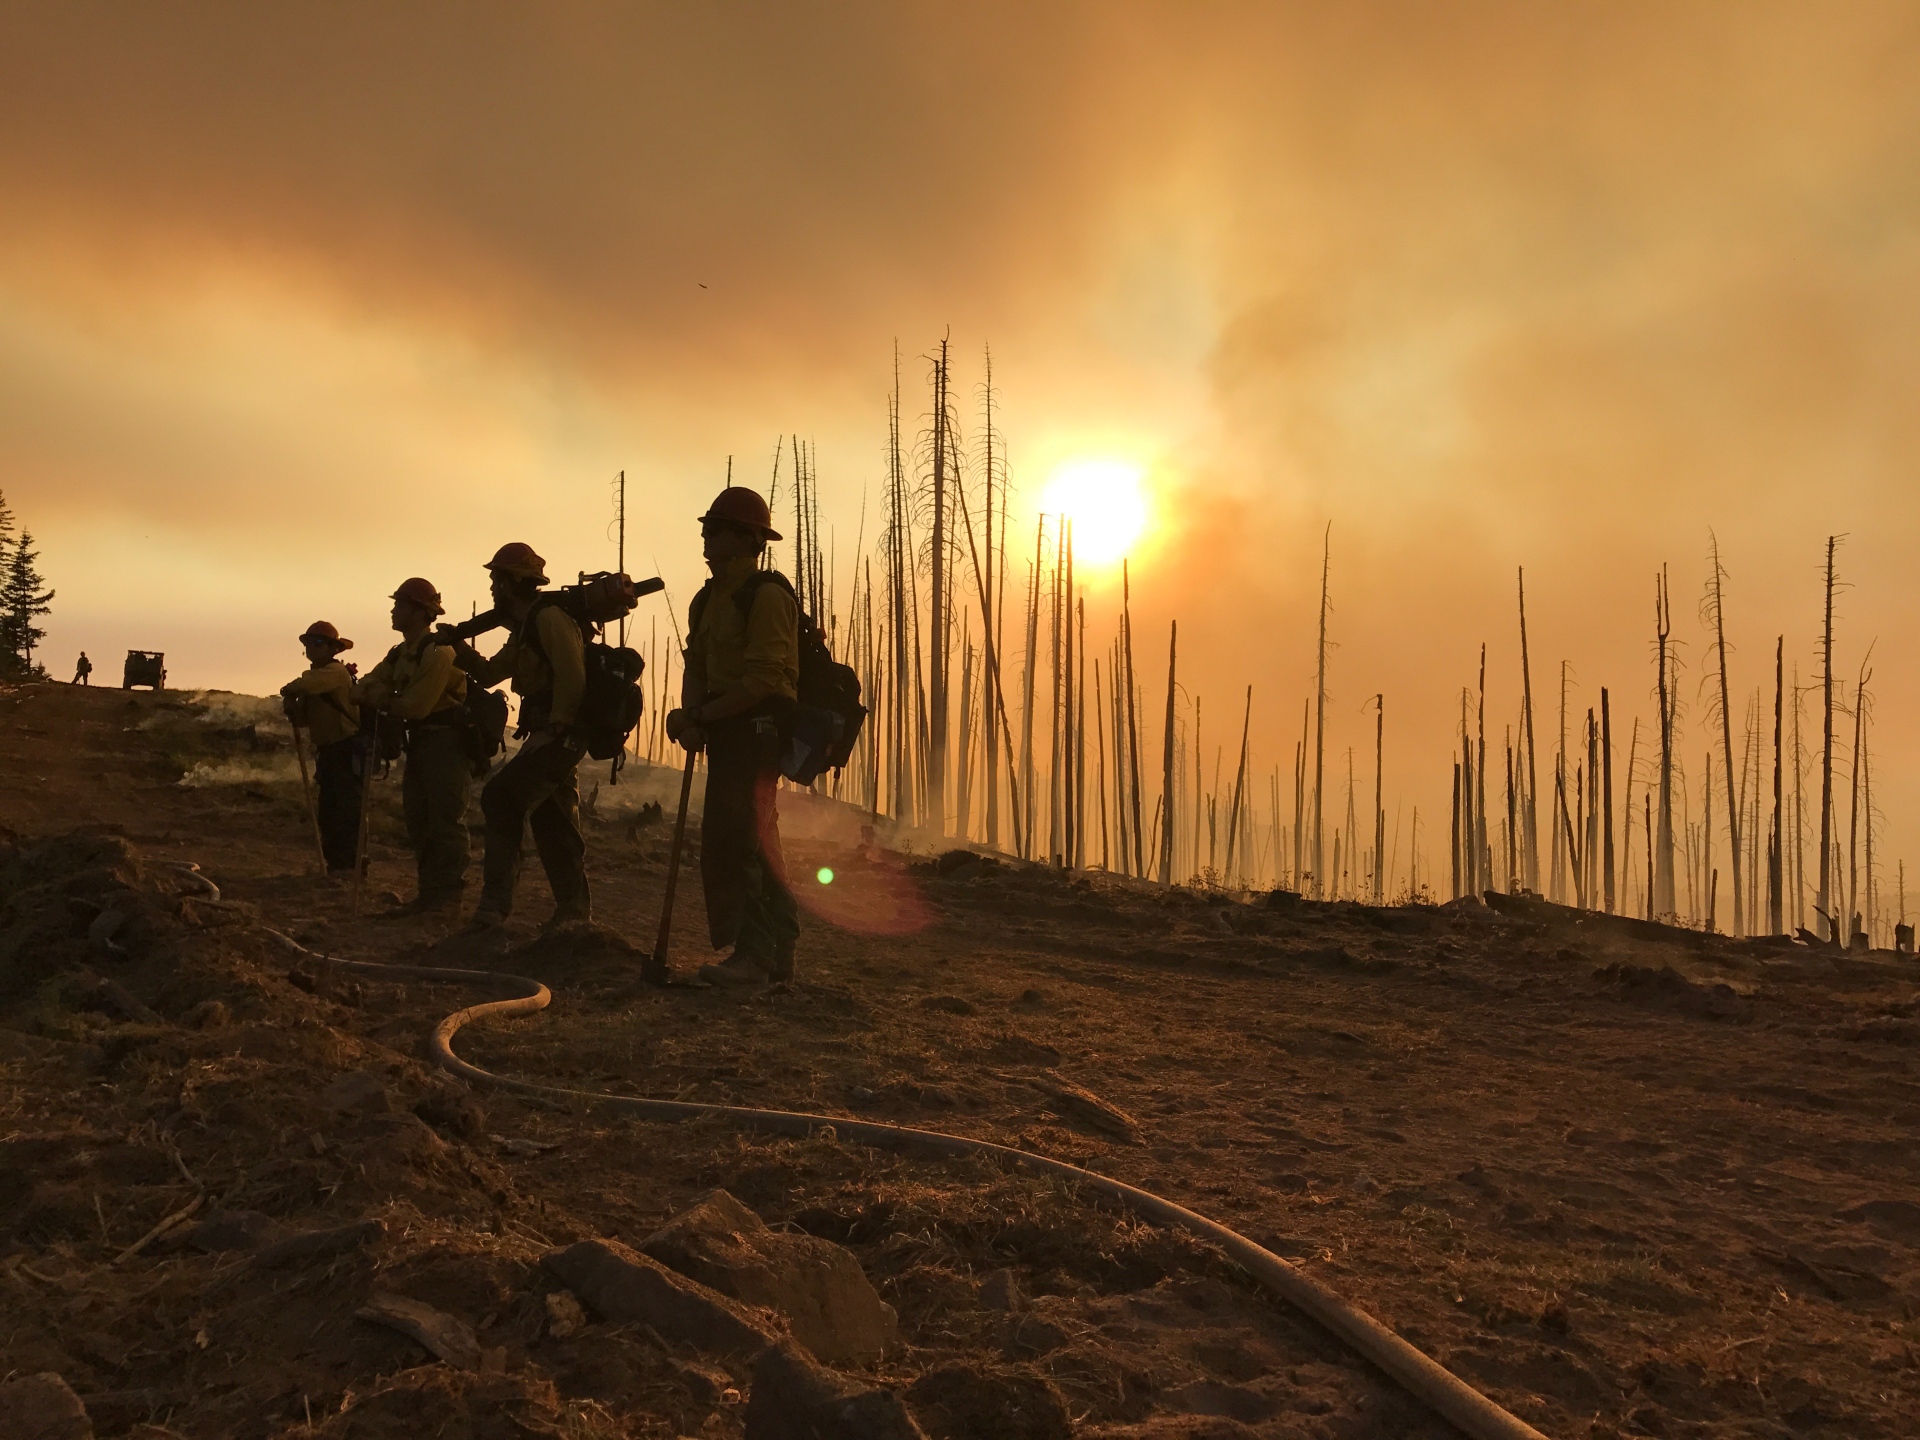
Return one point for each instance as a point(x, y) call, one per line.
point(1105, 501)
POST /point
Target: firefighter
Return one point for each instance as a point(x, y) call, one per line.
point(419, 685)
point(321, 701)
point(539, 788)
point(738, 693)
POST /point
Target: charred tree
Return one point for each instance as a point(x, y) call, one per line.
point(1715, 616)
point(938, 614)
point(1663, 897)
point(1530, 849)
point(1133, 721)
point(1166, 765)
point(1606, 791)
point(1823, 900)
point(1320, 720)
point(1379, 802)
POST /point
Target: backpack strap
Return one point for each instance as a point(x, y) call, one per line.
point(529, 632)
point(742, 597)
point(750, 587)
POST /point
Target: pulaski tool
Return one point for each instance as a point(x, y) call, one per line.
point(656, 971)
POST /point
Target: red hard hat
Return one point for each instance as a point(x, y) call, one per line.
point(323, 630)
point(519, 560)
point(737, 505)
point(420, 592)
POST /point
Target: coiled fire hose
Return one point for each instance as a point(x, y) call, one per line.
point(1422, 1377)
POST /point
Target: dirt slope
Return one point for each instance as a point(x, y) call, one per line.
point(1628, 1188)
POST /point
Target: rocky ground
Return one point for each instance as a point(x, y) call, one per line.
point(1626, 1186)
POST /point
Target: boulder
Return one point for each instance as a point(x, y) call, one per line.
point(1001, 1291)
point(42, 1407)
point(819, 1286)
point(625, 1286)
point(795, 1398)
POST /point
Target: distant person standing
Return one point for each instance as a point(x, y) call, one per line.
point(539, 788)
point(419, 685)
point(83, 670)
point(321, 702)
point(737, 700)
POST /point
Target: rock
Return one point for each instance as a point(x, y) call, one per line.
point(959, 1402)
point(565, 1318)
point(460, 1114)
point(794, 1398)
point(208, 1015)
point(42, 1407)
point(320, 1244)
point(447, 1336)
point(819, 1286)
point(521, 1146)
point(100, 934)
point(234, 1230)
point(623, 1285)
point(1000, 1291)
point(707, 1384)
point(358, 1092)
point(114, 998)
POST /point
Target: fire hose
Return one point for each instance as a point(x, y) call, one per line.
point(1422, 1377)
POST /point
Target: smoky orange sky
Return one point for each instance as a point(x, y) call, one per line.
point(298, 300)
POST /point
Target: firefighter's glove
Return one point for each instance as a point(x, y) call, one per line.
point(465, 656)
point(683, 728)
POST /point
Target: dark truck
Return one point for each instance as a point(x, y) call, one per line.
point(144, 667)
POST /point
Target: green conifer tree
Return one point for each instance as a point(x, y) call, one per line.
point(22, 602)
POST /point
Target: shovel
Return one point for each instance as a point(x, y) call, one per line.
point(369, 755)
point(656, 971)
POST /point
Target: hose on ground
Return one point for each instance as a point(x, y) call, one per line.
point(1422, 1377)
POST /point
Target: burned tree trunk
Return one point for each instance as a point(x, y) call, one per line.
point(938, 616)
point(1823, 902)
point(1320, 720)
point(1606, 790)
point(1776, 888)
point(1530, 849)
point(1663, 898)
point(1166, 765)
point(1717, 617)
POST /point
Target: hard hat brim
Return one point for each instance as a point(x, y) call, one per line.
point(767, 530)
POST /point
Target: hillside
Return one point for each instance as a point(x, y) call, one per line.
point(1625, 1185)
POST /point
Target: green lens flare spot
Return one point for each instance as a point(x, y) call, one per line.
point(823, 875)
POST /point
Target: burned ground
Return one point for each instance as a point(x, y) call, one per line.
point(1627, 1187)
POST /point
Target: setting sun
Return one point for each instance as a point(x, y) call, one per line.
point(1104, 500)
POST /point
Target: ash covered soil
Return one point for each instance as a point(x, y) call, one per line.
point(1626, 1187)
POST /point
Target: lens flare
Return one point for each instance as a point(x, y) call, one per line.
point(823, 875)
